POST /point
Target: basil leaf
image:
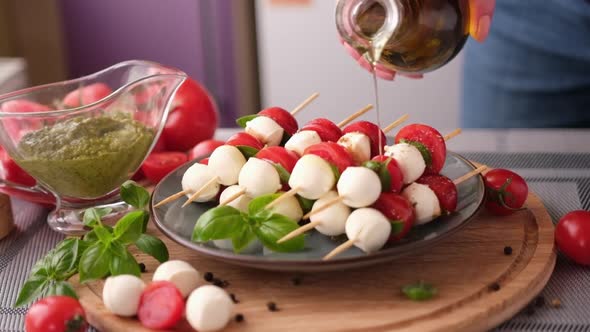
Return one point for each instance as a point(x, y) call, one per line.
point(219, 223)
point(125, 264)
point(396, 226)
point(117, 249)
point(247, 151)
point(33, 288)
point(90, 237)
point(134, 195)
point(60, 288)
point(423, 150)
point(153, 246)
point(241, 241)
point(93, 216)
point(64, 261)
point(259, 204)
point(283, 173)
point(336, 172)
point(276, 227)
point(94, 263)
point(373, 165)
point(385, 178)
point(130, 227)
point(103, 234)
point(306, 204)
point(243, 120)
point(419, 291)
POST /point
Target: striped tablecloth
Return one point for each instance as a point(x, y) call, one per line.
point(556, 164)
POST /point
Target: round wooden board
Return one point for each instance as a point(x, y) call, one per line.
point(462, 268)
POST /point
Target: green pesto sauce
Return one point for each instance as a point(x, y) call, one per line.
point(85, 157)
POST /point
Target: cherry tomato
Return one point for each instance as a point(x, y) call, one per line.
point(160, 306)
point(333, 153)
point(17, 128)
point(159, 164)
point(572, 236)
point(193, 117)
point(12, 172)
point(444, 189)
point(204, 148)
point(326, 129)
point(372, 131)
point(279, 155)
point(432, 140)
point(506, 191)
point(399, 211)
point(160, 145)
point(56, 314)
point(283, 118)
point(245, 139)
point(204, 161)
point(395, 174)
point(87, 95)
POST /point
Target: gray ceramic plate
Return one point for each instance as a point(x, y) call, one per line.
point(178, 223)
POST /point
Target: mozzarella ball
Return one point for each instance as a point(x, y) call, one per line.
point(313, 177)
point(121, 294)
point(240, 203)
point(208, 308)
point(259, 178)
point(358, 145)
point(253, 247)
point(266, 130)
point(333, 219)
point(289, 208)
point(359, 187)
point(183, 275)
point(302, 140)
point(409, 159)
point(195, 178)
point(368, 228)
point(227, 162)
point(426, 204)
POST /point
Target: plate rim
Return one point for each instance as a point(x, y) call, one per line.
point(254, 261)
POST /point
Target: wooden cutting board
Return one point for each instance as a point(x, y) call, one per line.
point(462, 268)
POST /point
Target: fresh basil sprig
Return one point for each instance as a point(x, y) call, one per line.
point(103, 251)
point(226, 222)
point(423, 150)
point(243, 120)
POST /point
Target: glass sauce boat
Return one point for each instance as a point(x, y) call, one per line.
point(79, 152)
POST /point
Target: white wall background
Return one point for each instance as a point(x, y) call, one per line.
point(299, 54)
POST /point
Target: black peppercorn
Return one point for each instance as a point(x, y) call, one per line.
point(239, 318)
point(224, 283)
point(508, 251)
point(208, 276)
point(272, 306)
point(233, 298)
point(495, 287)
point(218, 282)
point(142, 267)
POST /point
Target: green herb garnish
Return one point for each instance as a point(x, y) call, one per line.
point(243, 120)
point(419, 291)
point(103, 251)
point(423, 150)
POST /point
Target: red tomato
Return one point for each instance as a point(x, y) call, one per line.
point(204, 148)
point(205, 161)
point(159, 164)
point(160, 145)
point(372, 131)
point(87, 95)
point(395, 173)
point(193, 117)
point(160, 306)
point(12, 172)
point(431, 139)
point(333, 153)
point(399, 211)
point(245, 139)
point(326, 129)
point(279, 155)
point(56, 314)
point(283, 118)
point(444, 189)
point(506, 191)
point(572, 236)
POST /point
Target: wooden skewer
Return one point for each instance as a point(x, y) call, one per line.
point(299, 231)
point(453, 134)
point(329, 203)
point(304, 103)
point(465, 177)
point(396, 123)
point(355, 115)
point(338, 250)
point(233, 197)
point(171, 198)
point(200, 191)
point(292, 192)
